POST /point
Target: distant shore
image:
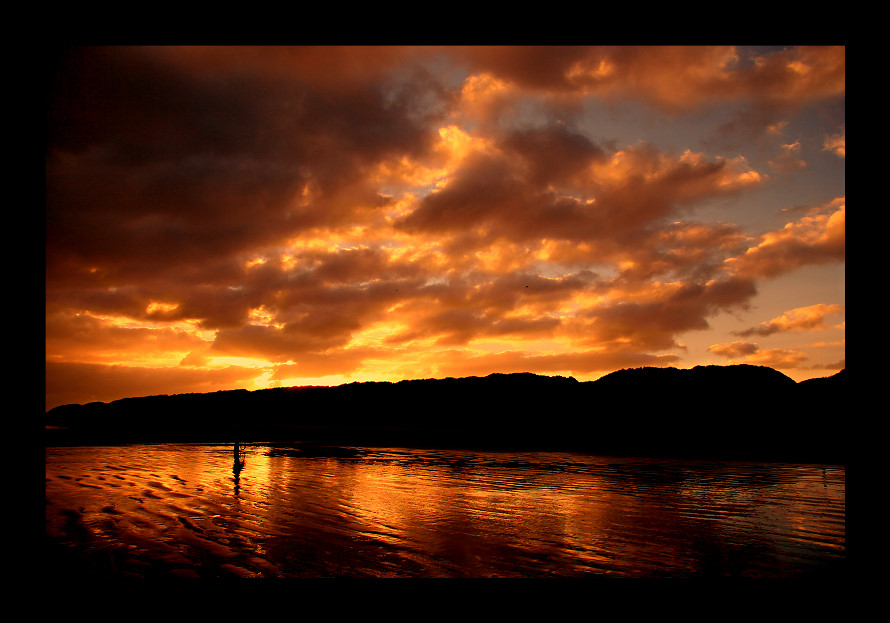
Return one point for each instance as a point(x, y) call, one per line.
point(708, 411)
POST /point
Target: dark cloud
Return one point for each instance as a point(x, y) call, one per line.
point(553, 155)
point(541, 68)
point(514, 191)
point(152, 163)
point(670, 77)
point(655, 324)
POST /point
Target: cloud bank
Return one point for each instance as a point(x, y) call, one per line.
point(240, 217)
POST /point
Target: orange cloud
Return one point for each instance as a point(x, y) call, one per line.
point(817, 238)
point(671, 76)
point(734, 350)
point(743, 352)
point(836, 143)
point(799, 319)
point(89, 338)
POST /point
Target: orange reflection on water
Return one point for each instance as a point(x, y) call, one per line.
point(407, 513)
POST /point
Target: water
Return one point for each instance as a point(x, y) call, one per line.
point(184, 511)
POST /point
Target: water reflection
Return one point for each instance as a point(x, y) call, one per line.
point(398, 513)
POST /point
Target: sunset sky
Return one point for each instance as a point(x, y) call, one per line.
point(236, 217)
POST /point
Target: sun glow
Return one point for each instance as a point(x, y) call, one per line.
point(262, 317)
point(160, 308)
point(265, 380)
point(244, 362)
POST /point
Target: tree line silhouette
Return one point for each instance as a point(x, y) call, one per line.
point(741, 411)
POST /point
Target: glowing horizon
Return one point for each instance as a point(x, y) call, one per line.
point(241, 218)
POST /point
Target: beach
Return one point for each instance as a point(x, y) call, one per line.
point(190, 511)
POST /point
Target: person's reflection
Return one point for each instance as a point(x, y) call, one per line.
point(237, 465)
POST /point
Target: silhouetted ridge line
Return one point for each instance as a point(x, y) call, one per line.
point(721, 411)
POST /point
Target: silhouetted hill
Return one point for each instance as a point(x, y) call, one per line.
point(719, 411)
point(740, 411)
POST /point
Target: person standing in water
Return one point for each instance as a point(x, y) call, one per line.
point(237, 465)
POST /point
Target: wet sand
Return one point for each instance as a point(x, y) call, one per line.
point(187, 512)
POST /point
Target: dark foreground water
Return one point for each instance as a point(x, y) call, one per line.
point(184, 511)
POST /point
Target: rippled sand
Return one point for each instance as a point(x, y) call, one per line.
point(182, 511)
